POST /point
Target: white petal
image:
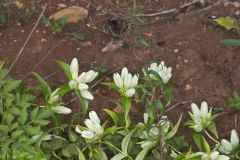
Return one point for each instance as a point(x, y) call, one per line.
point(86, 94)
point(145, 117)
point(81, 77)
point(118, 80)
point(73, 84)
point(78, 130)
point(82, 86)
point(89, 76)
point(130, 92)
point(225, 147)
point(214, 155)
point(195, 110)
point(74, 68)
point(128, 81)
point(62, 110)
point(87, 134)
point(94, 117)
point(134, 81)
point(223, 157)
point(96, 128)
point(234, 138)
point(124, 72)
point(89, 124)
point(204, 109)
point(153, 67)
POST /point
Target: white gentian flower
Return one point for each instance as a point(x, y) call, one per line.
point(126, 82)
point(150, 137)
point(94, 128)
point(55, 103)
point(227, 147)
point(214, 156)
point(163, 71)
point(79, 82)
point(202, 117)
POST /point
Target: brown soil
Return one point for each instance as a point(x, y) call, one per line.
point(203, 69)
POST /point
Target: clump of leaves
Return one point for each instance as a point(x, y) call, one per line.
point(56, 26)
point(11, 14)
point(234, 100)
point(229, 23)
point(20, 119)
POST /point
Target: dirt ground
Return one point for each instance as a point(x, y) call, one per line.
point(203, 69)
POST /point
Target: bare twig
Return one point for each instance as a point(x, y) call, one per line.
point(45, 77)
point(175, 105)
point(28, 38)
point(168, 11)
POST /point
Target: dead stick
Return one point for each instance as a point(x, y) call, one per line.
point(168, 11)
point(28, 38)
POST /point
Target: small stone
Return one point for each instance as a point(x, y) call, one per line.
point(43, 40)
point(19, 24)
point(179, 57)
point(149, 34)
point(37, 31)
point(188, 87)
point(14, 40)
point(62, 5)
point(1, 34)
point(22, 31)
point(177, 66)
point(88, 43)
point(185, 61)
point(114, 65)
point(176, 50)
point(78, 49)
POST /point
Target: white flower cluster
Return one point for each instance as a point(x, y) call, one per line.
point(163, 71)
point(126, 82)
point(201, 117)
point(54, 103)
point(227, 147)
point(79, 82)
point(94, 128)
point(150, 137)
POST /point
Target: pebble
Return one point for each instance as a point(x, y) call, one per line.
point(88, 43)
point(177, 66)
point(14, 40)
point(22, 31)
point(1, 34)
point(19, 24)
point(176, 50)
point(78, 49)
point(185, 61)
point(37, 31)
point(188, 87)
point(62, 5)
point(43, 40)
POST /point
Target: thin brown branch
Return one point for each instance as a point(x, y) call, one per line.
point(27, 40)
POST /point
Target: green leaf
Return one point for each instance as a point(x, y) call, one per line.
point(44, 113)
point(63, 89)
point(206, 146)
point(3, 73)
point(126, 105)
point(23, 117)
point(126, 141)
point(143, 153)
point(198, 138)
point(44, 86)
point(227, 23)
point(34, 113)
point(212, 128)
point(66, 68)
point(78, 36)
point(41, 122)
point(119, 156)
point(111, 85)
point(141, 41)
point(3, 128)
point(113, 115)
point(11, 85)
point(32, 130)
point(231, 42)
point(174, 130)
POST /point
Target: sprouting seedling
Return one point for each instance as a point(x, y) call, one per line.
point(56, 26)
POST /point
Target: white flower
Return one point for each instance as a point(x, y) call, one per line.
point(214, 156)
point(54, 102)
point(151, 135)
point(163, 71)
point(227, 147)
point(79, 82)
point(126, 82)
point(201, 118)
point(94, 128)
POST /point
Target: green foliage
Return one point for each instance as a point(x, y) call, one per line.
point(20, 120)
point(234, 100)
point(231, 42)
point(228, 23)
point(56, 26)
